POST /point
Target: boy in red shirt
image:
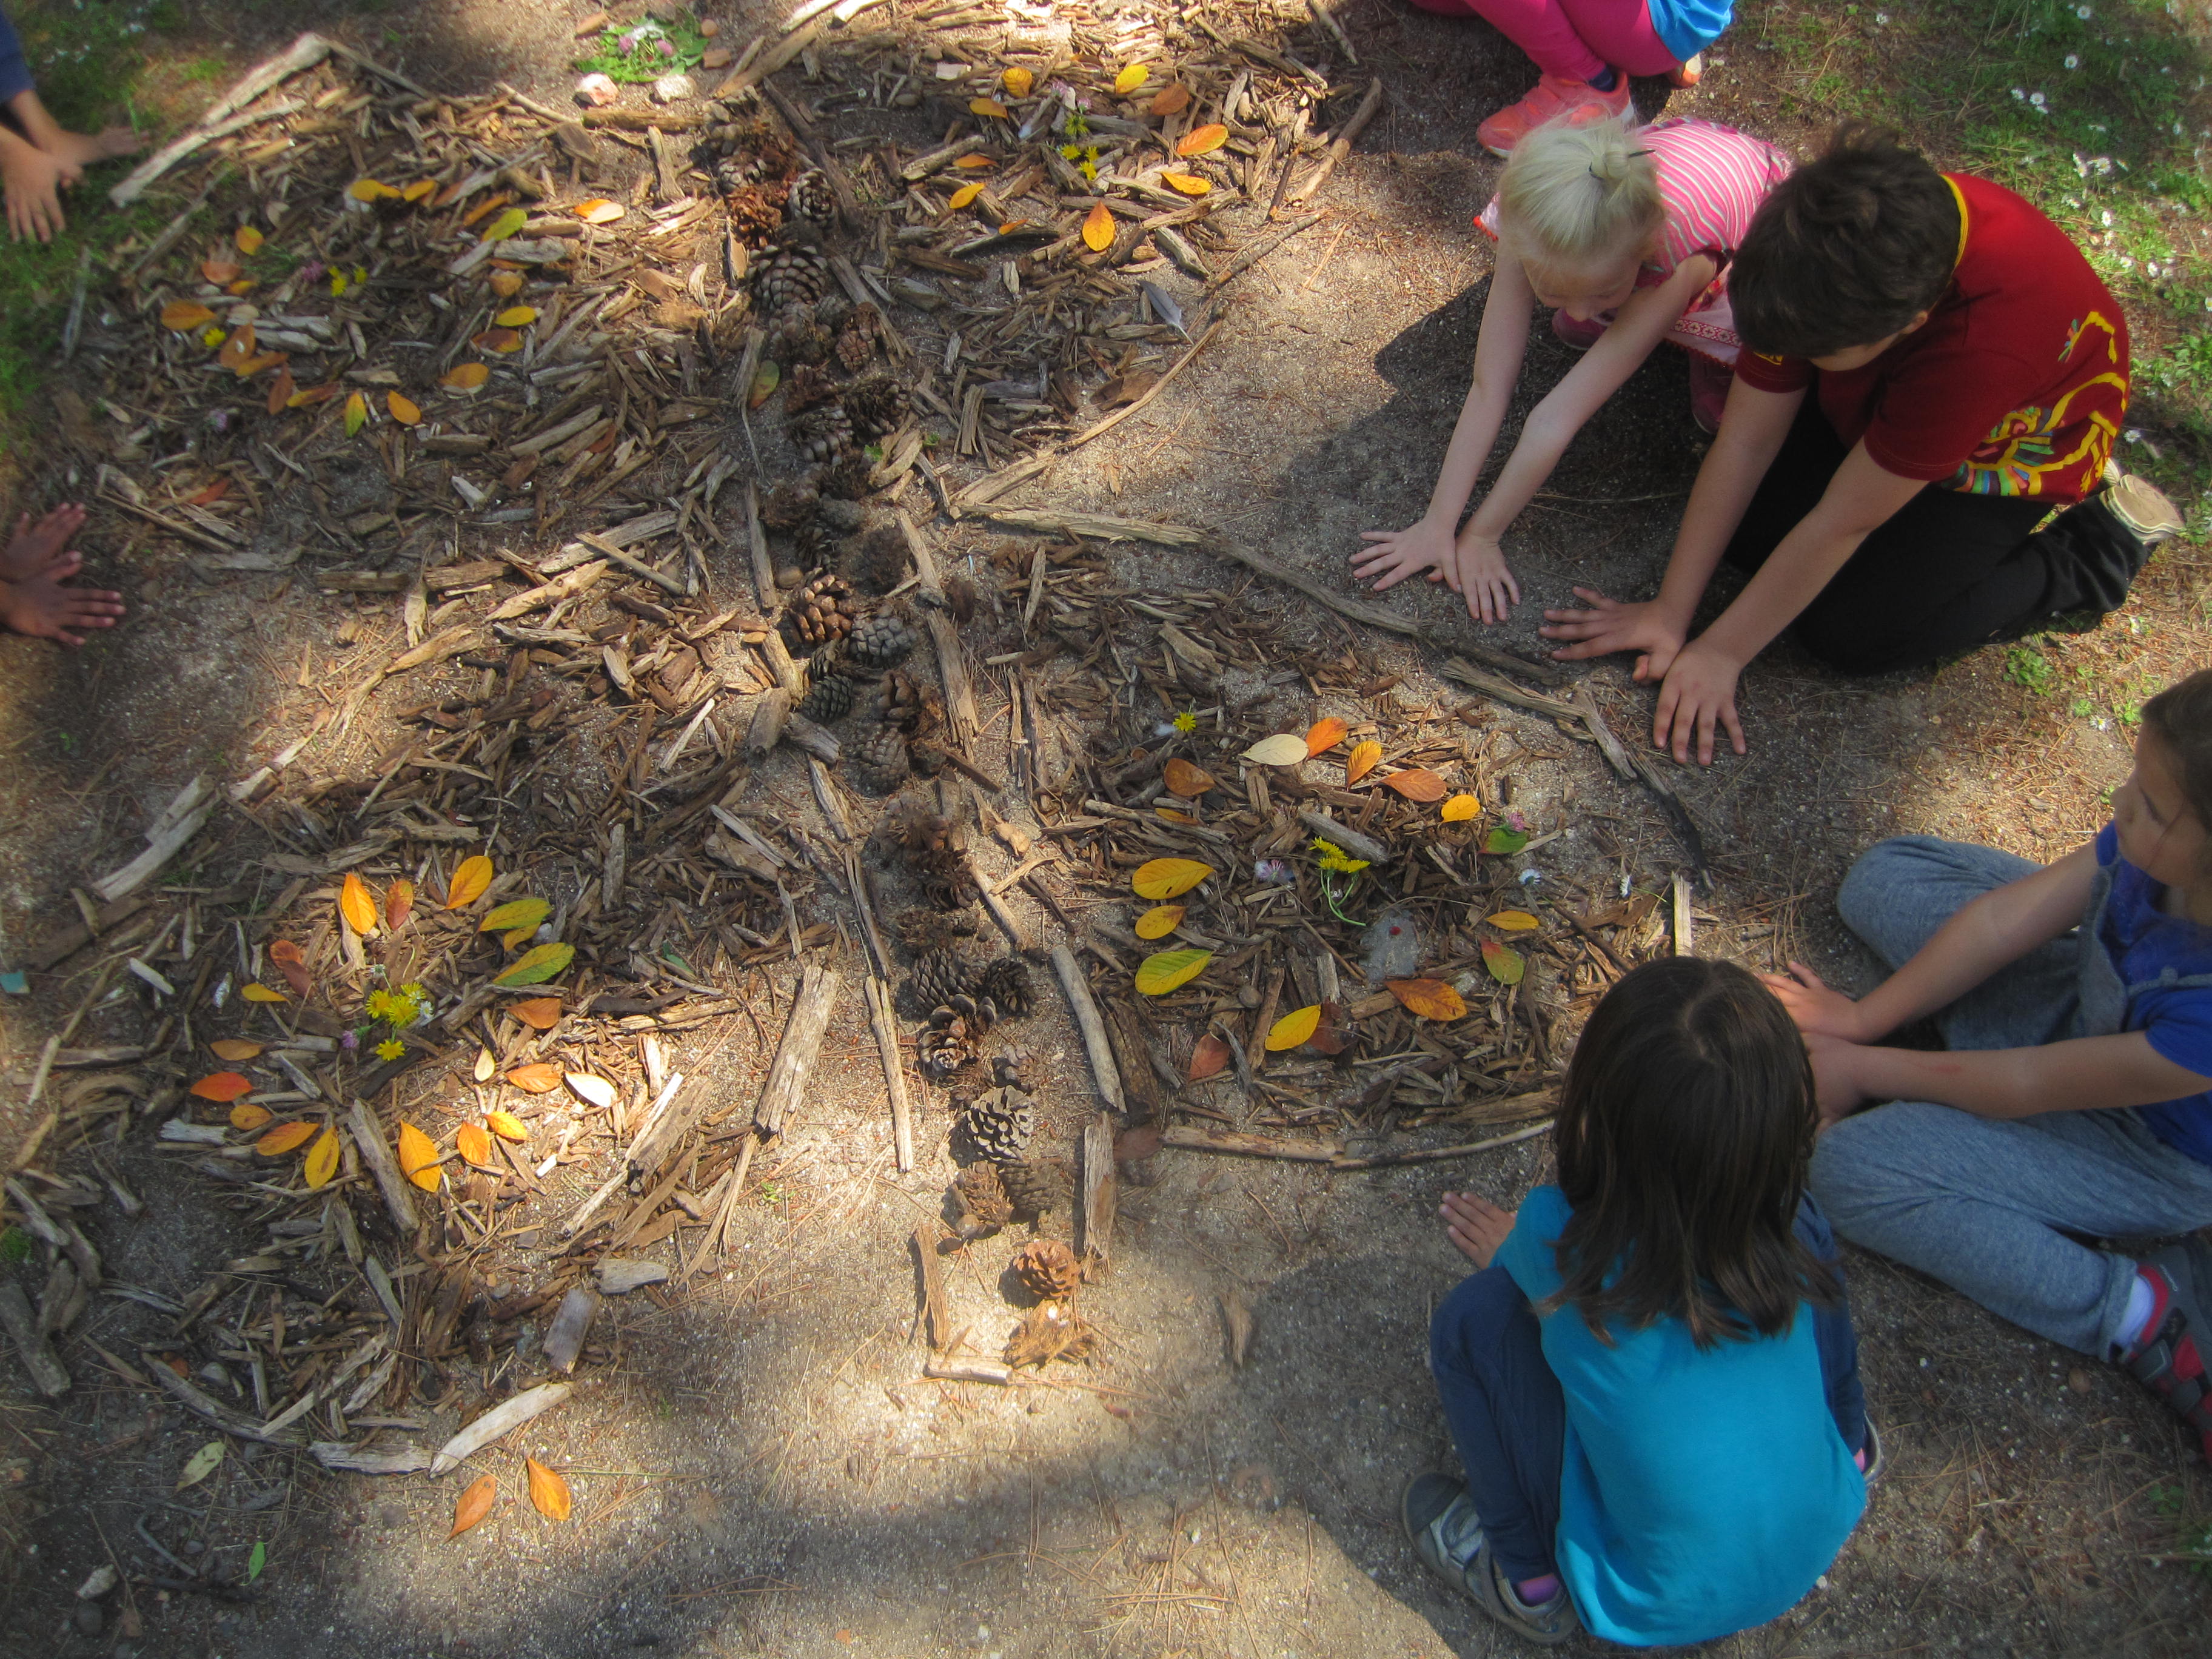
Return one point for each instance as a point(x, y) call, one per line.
point(1914, 458)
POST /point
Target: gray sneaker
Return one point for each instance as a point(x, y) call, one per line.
point(2142, 509)
point(1447, 1534)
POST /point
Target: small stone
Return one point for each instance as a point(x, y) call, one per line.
point(2079, 1381)
point(715, 58)
point(193, 1546)
point(102, 1581)
point(597, 91)
point(88, 1619)
point(674, 89)
point(789, 575)
point(710, 28)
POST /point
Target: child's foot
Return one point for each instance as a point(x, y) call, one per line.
point(83, 149)
point(33, 548)
point(2169, 1356)
point(2142, 509)
point(1447, 1534)
point(1555, 97)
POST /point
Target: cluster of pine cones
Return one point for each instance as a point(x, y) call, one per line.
point(962, 1006)
point(853, 664)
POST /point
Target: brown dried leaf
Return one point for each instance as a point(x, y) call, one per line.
point(540, 1078)
point(1188, 781)
point(1417, 783)
point(538, 1013)
point(1431, 998)
point(1209, 1057)
point(474, 1504)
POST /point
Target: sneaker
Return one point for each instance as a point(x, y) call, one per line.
point(1447, 1534)
point(1684, 76)
point(2142, 509)
point(1577, 334)
point(1709, 392)
point(1877, 1458)
point(1556, 97)
point(2170, 1359)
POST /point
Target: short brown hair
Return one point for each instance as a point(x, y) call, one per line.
point(2180, 717)
point(1847, 250)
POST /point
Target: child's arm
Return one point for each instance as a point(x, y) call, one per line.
point(1985, 933)
point(2085, 1074)
point(1394, 555)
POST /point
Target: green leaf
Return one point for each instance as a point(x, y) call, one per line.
point(14, 1245)
point(1504, 841)
point(536, 967)
point(515, 913)
point(506, 225)
point(255, 1562)
point(1158, 975)
point(1505, 963)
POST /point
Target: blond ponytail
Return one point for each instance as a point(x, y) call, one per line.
point(1574, 195)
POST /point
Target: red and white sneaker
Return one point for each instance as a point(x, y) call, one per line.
point(1555, 97)
point(1686, 75)
point(2170, 1358)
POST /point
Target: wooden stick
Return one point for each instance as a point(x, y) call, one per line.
point(795, 1056)
point(1099, 526)
point(1631, 764)
point(1261, 248)
point(1437, 1154)
point(1224, 1140)
point(1151, 392)
point(47, 1373)
point(1359, 846)
point(369, 1136)
point(309, 50)
point(1096, 1211)
point(1349, 133)
point(764, 567)
point(771, 710)
point(1685, 931)
point(935, 1318)
point(771, 60)
point(1095, 1042)
point(878, 991)
point(951, 660)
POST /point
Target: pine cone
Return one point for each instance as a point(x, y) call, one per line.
point(937, 850)
point(1033, 1191)
point(939, 976)
point(1006, 1072)
point(789, 505)
point(945, 1046)
point(881, 641)
point(813, 200)
point(900, 702)
point(1005, 985)
point(794, 275)
point(880, 760)
point(856, 340)
point(877, 560)
point(1047, 1267)
point(827, 699)
point(819, 612)
point(756, 211)
point(848, 477)
point(877, 406)
point(806, 386)
point(803, 343)
point(981, 1197)
point(809, 550)
point(831, 310)
point(999, 1123)
point(933, 930)
point(825, 434)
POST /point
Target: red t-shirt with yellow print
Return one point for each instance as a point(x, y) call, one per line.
point(2017, 383)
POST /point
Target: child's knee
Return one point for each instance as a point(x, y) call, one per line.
point(1473, 1319)
point(1882, 878)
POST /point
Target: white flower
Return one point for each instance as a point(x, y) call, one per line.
point(2133, 435)
point(2018, 93)
point(2036, 99)
point(2083, 12)
point(2073, 60)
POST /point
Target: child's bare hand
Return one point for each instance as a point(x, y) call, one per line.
point(34, 180)
point(1395, 555)
point(1476, 1225)
point(1611, 625)
point(1491, 590)
point(1817, 1011)
point(1836, 1084)
point(1699, 693)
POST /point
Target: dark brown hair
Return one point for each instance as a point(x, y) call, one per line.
point(1847, 250)
point(1685, 1126)
point(2180, 717)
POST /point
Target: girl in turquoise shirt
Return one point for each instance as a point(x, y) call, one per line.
point(1658, 1449)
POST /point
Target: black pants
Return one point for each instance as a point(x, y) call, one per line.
point(1947, 572)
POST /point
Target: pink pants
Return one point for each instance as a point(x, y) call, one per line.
point(1577, 39)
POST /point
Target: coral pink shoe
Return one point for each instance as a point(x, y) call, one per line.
point(1555, 97)
point(1683, 76)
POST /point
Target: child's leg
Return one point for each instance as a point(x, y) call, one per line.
point(1901, 890)
point(1985, 1206)
point(14, 70)
point(1622, 32)
point(1508, 1418)
point(1833, 1335)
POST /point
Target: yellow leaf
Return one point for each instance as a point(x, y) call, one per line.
point(499, 340)
point(254, 992)
point(1361, 759)
point(357, 904)
point(1173, 816)
point(1460, 808)
point(506, 225)
point(537, 964)
point(1514, 921)
point(538, 1013)
point(1431, 998)
point(1324, 734)
point(990, 106)
point(369, 190)
point(1185, 780)
point(235, 1048)
point(1202, 141)
point(473, 1143)
point(220, 1086)
point(471, 878)
point(1018, 83)
point(1167, 878)
point(465, 377)
point(1159, 921)
point(1505, 962)
point(474, 1504)
point(971, 162)
point(186, 315)
point(248, 240)
point(322, 1161)
point(964, 195)
point(356, 414)
point(1170, 100)
point(1284, 749)
point(1158, 975)
point(1292, 1031)
point(548, 1491)
point(523, 913)
point(418, 1159)
point(306, 396)
point(506, 1126)
point(1417, 783)
point(1098, 229)
point(404, 410)
point(599, 211)
point(419, 190)
point(1188, 183)
point(1131, 78)
point(517, 317)
point(284, 1138)
point(539, 1077)
point(248, 1115)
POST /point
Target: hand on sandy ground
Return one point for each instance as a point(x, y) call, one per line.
point(1611, 625)
point(33, 548)
point(83, 149)
point(1817, 1011)
point(1394, 555)
point(1698, 693)
point(1476, 1225)
point(1485, 578)
point(33, 181)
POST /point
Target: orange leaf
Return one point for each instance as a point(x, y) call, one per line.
point(506, 1126)
point(418, 191)
point(539, 1013)
point(1292, 1029)
point(990, 106)
point(1417, 783)
point(261, 359)
point(284, 949)
point(1018, 83)
point(490, 204)
point(238, 350)
point(399, 903)
point(418, 1159)
point(322, 1160)
point(1324, 734)
point(405, 411)
point(280, 391)
point(221, 272)
point(1188, 183)
point(972, 162)
point(1209, 1057)
point(292, 963)
point(1202, 141)
point(1098, 229)
point(1431, 998)
point(476, 1503)
point(599, 211)
point(1170, 100)
point(538, 1077)
point(257, 993)
point(1175, 817)
point(548, 1491)
point(308, 397)
point(186, 315)
point(235, 1048)
point(1159, 921)
point(474, 1143)
point(964, 195)
point(471, 876)
point(1185, 780)
point(465, 377)
point(499, 340)
point(285, 1138)
point(1460, 808)
point(1514, 921)
point(506, 284)
point(1361, 759)
point(223, 1086)
point(248, 241)
point(247, 1116)
point(357, 905)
